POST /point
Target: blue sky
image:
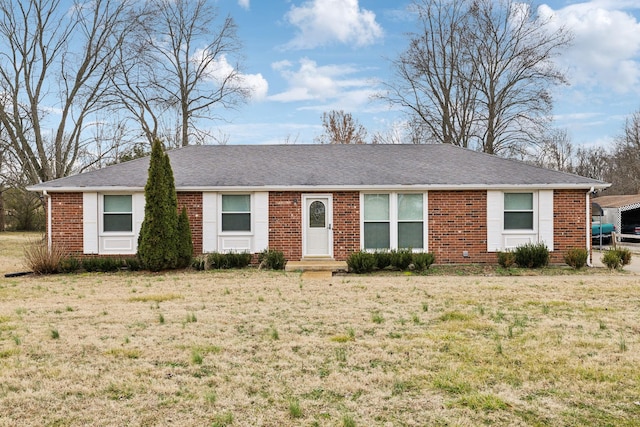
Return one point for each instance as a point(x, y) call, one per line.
point(305, 57)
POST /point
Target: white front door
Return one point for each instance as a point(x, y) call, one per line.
point(317, 233)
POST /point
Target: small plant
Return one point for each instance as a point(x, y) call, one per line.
point(376, 317)
point(576, 258)
point(506, 259)
point(161, 319)
point(55, 334)
point(383, 259)
point(612, 259)
point(272, 259)
point(228, 260)
point(199, 263)
point(294, 408)
point(42, 259)
point(196, 357)
point(274, 334)
point(70, 265)
point(401, 259)
point(361, 262)
point(625, 256)
point(532, 255)
point(347, 421)
point(423, 260)
point(191, 318)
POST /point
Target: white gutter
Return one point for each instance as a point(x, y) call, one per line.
point(397, 187)
point(49, 227)
point(588, 228)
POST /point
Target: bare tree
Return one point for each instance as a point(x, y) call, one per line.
point(55, 60)
point(176, 70)
point(341, 128)
point(556, 151)
point(624, 167)
point(477, 73)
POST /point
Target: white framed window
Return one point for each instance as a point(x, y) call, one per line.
point(236, 213)
point(376, 221)
point(393, 221)
point(518, 211)
point(117, 213)
point(410, 221)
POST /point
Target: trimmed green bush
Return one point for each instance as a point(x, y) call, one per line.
point(361, 262)
point(532, 255)
point(70, 265)
point(383, 259)
point(423, 260)
point(612, 259)
point(272, 259)
point(576, 257)
point(401, 258)
point(218, 260)
point(616, 258)
point(506, 259)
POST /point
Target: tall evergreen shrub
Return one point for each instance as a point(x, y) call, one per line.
point(157, 243)
point(185, 244)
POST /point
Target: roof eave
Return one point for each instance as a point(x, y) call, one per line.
point(396, 187)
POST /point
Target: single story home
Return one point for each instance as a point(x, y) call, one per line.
point(327, 201)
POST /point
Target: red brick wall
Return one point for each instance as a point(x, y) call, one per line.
point(346, 224)
point(193, 203)
point(66, 221)
point(569, 222)
point(285, 223)
point(456, 220)
point(457, 223)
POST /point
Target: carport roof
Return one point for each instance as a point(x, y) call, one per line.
point(617, 201)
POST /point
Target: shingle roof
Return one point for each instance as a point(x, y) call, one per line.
point(617, 201)
point(326, 166)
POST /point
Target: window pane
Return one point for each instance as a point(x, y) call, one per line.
point(317, 215)
point(518, 201)
point(236, 222)
point(410, 235)
point(376, 235)
point(117, 203)
point(518, 220)
point(117, 222)
point(410, 207)
point(236, 203)
point(376, 207)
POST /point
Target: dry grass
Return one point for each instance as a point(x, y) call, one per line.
point(269, 348)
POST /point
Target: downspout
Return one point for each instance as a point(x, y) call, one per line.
point(49, 228)
point(588, 227)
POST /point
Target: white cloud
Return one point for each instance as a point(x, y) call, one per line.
point(220, 69)
point(606, 46)
point(244, 4)
point(323, 22)
point(327, 83)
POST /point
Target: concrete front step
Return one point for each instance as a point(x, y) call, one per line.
point(316, 265)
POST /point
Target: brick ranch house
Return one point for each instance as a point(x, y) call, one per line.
point(327, 201)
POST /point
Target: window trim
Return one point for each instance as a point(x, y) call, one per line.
point(102, 214)
point(251, 216)
point(534, 210)
point(394, 221)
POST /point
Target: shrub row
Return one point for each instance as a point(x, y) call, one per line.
point(98, 264)
point(530, 255)
point(268, 259)
point(403, 259)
